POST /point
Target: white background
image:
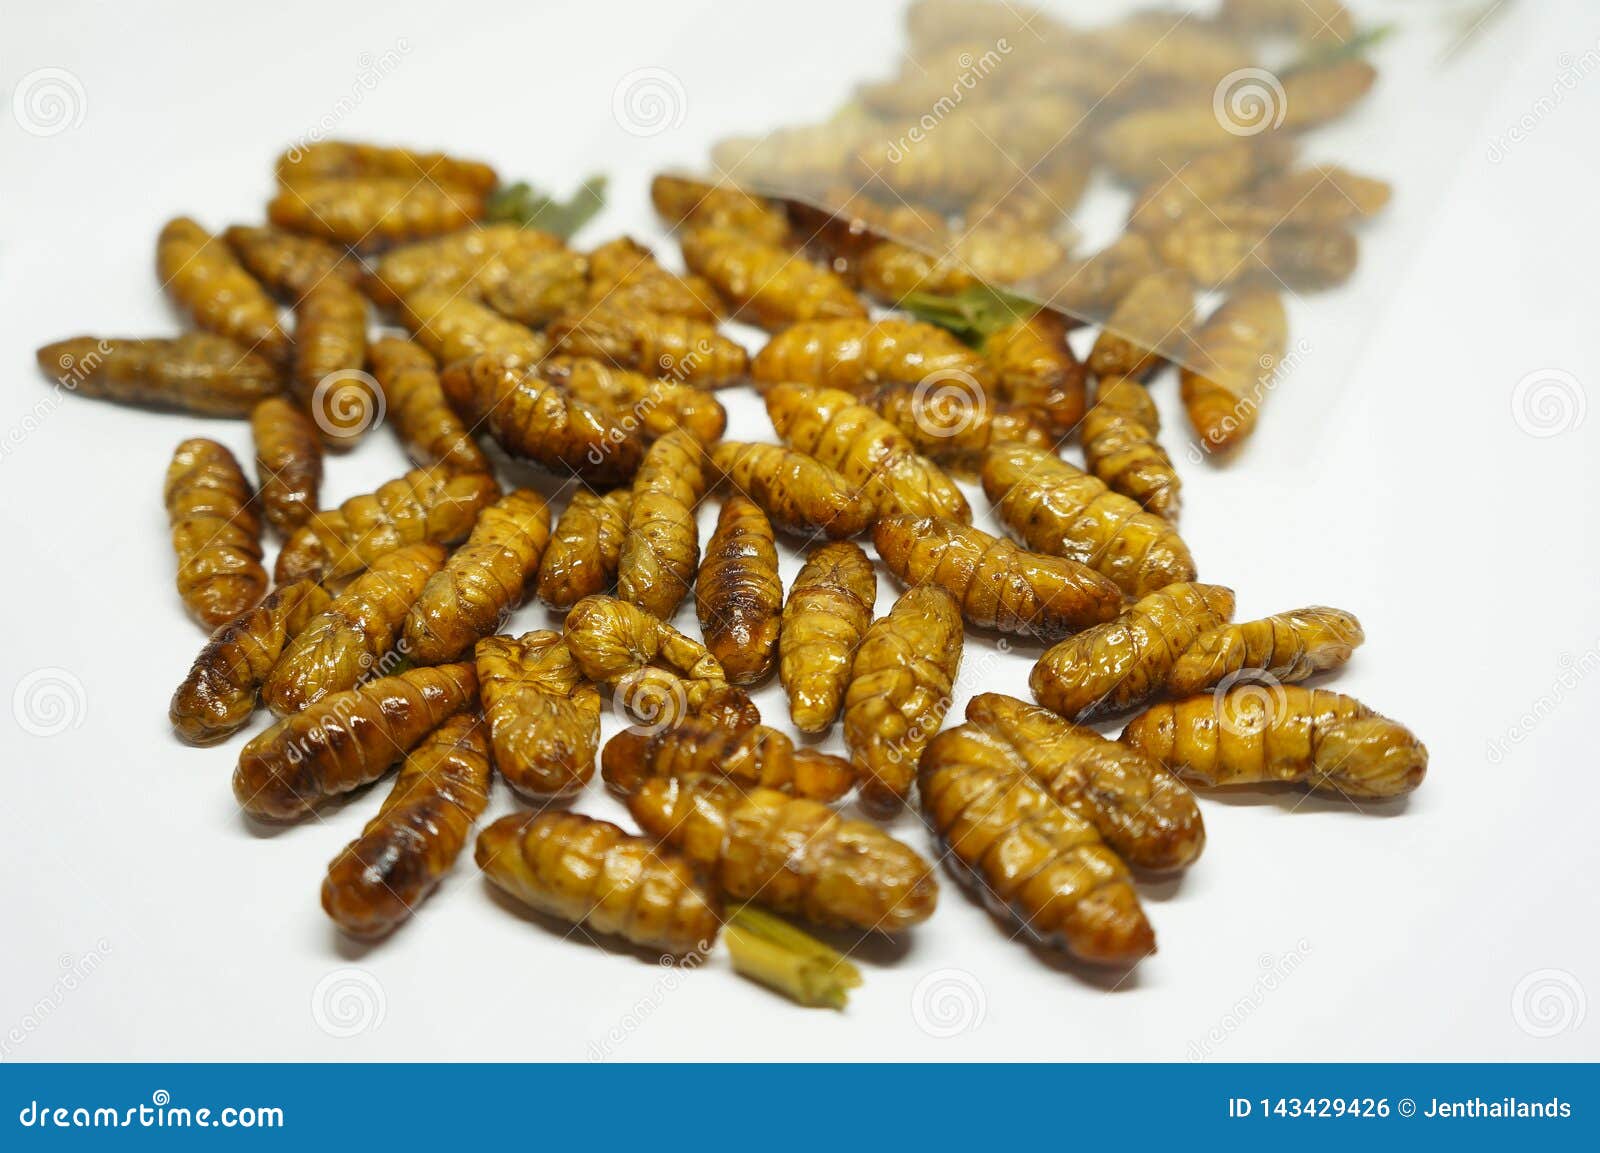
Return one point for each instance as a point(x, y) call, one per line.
point(1393, 474)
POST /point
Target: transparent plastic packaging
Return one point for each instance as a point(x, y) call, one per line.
point(1192, 184)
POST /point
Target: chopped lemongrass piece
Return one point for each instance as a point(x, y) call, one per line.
point(768, 949)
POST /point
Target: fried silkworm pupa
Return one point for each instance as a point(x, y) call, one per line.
point(787, 853)
point(346, 740)
point(1121, 665)
point(1235, 355)
point(197, 372)
point(544, 717)
point(1324, 92)
point(656, 406)
point(1216, 255)
point(765, 283)
point(935, 24)
point(1284, 647)
point(800, 493)
point(215, 533)
point(1320, 23)
point(350, 160)
point(1092, 286)
point(955, 425)
point(455, 327)
point(208, 282)
point(1036, 205)
point(586, 547)
point(899, 691)
point(611, 638)
point(1060, 510)
point(1147, 817)
point(624, 273)
point(828, 612)
point(1171, 47)
point(1150, 141)
point(753, 754)
point(966, 157)
point(1148, 325)
point(369, 215)
point(289, 265)
point(1032, 860)
point(481, 582)
point(1322, 194)
point(415, 406)
point(1120, 447)
point(217, 697)
point(288, 463)
point(693, 202)
point(1211, 178)
point(423, 505)
point(978, 255)
point(589, 872)
point(857, 354)
point(330, 351)
point(534, 287)
point(1034, 368)
point(685, 349)
point(865, 449)
point(535, 420)
point(355, 634)
point(1264, 734)
point(738, 594)
point(998, 585)
point(379, 878)
point(452, 262)
point(662, 547)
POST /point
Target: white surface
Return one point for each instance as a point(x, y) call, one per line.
point(1465, 544)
